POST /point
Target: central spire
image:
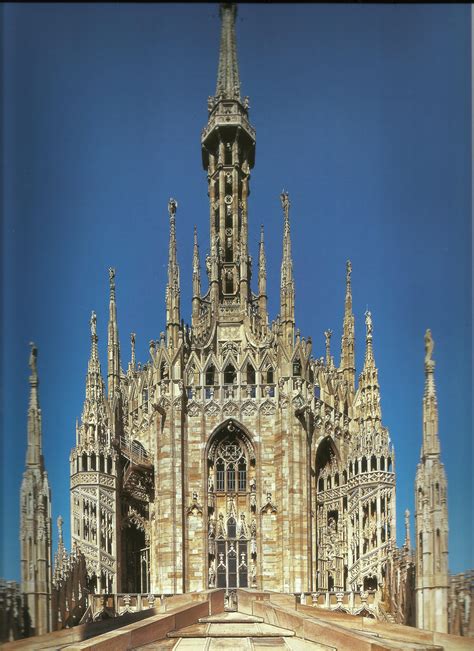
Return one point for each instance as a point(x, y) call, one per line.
point(228, 155)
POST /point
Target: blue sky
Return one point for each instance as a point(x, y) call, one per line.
point(362, 113)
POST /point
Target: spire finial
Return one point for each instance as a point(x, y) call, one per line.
point(348, 274)
point(33, 363)
point(285, 204)
point(328, 335)
point(347, 365)
point(429, 347)
point(93, 324)
point(94, 338)
point(368, 324)
point(368, 382)
point(113, 346)
point(60, 530)
point(172, 206)
point(228, 82)
point(112, 282)
point(132, 346)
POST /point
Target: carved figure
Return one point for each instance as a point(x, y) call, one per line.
point(429, 346)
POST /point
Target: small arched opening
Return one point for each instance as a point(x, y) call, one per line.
point(250, 374)
point(297, 367)
point(370, 583)
point(230, 375)
point(210, 375)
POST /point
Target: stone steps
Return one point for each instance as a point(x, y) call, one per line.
point(231, 617)
point(225, 629)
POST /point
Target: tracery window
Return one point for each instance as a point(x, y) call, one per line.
point(232, 527)
point(231, 467)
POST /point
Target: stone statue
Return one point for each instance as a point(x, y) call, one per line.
point(212, 576)
point(429, 346)
point(33, 357)
point(368, 322)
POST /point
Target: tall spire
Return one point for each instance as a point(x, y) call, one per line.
point(327, 336)
point(228, 82)
point(262, 277)
point(287, 285)
point(430, 403)
point(173, 314)
point(35, 519)
point(60, 558)
point(94, 382)
point(34, 454)
point(407, 530)
point(369, 390)
point(196, 267)
point(228, 155)
point(92, 426)
point(431, 514)
point(132, 351)
point(196, 278)
point(348, 334)
point(113, 345)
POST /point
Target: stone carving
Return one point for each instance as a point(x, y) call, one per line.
point(268, 506)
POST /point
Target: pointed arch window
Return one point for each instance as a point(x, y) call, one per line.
point(220, 475)
point(230, 375)
point(269, 376)
point(231, 528)
point(210, 375)
point(231, 477)
point(297, 368)
point(250, 374)
point(242, 469)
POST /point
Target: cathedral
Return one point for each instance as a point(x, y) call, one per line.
point(232, 458)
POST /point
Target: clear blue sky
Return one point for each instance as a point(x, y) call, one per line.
point(362, 113)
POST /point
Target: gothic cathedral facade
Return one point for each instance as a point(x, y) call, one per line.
point(232, 458)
